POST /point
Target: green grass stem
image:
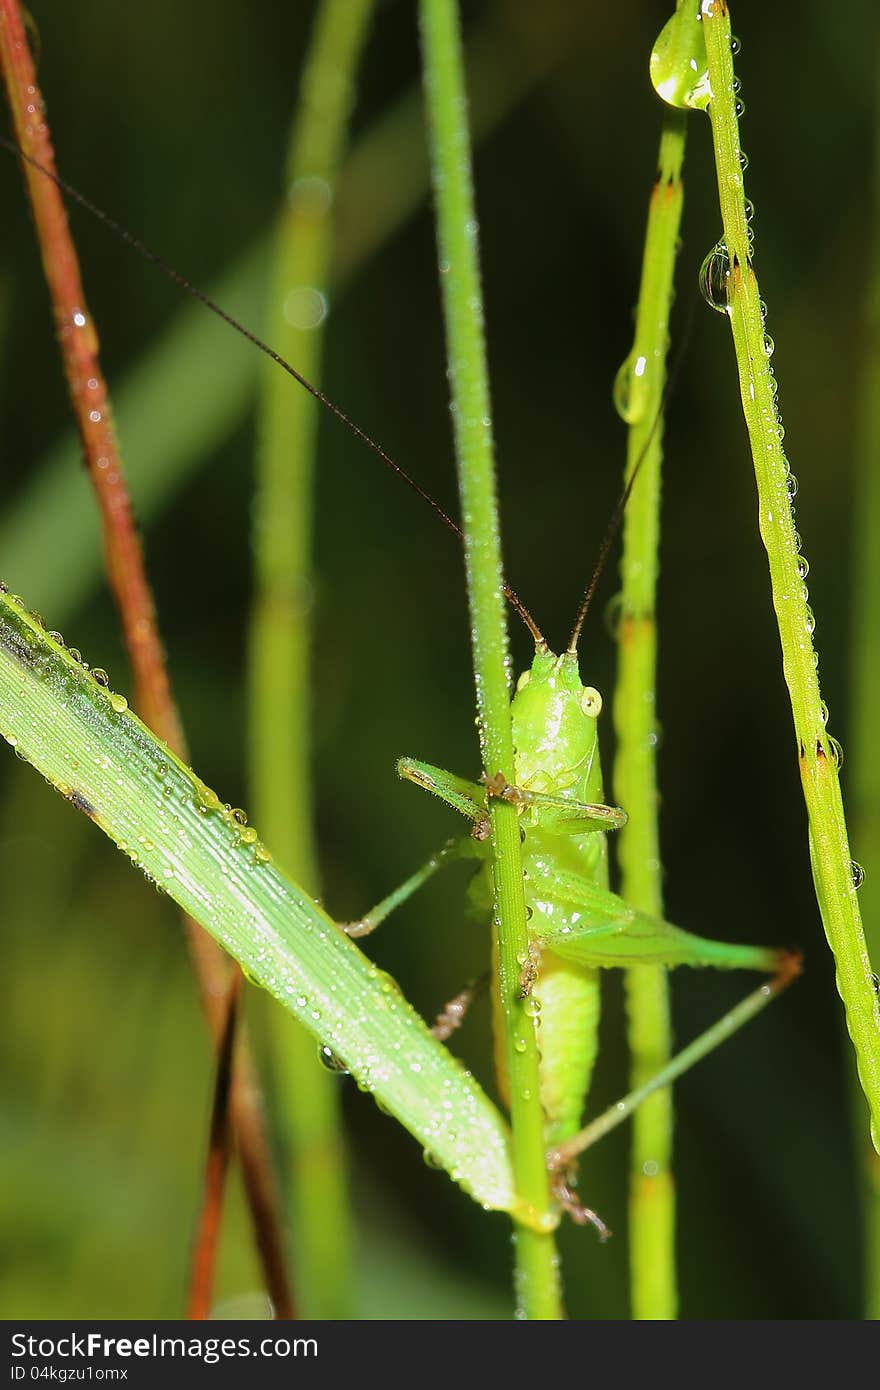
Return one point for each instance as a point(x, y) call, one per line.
point(280, 670)
point(639, 392)
point(538, 1291)
point(731, 283)
point(864, 778)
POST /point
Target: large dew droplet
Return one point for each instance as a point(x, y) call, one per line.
point(679, 67)
point(629, 388)
point(715, 279)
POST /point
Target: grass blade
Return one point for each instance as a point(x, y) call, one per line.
point(85, 741)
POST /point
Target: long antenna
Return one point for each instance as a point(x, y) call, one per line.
point(608, 540)
point(208, 303)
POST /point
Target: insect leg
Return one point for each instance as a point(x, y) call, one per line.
point(452, 1015)
point(602, 930)
point(452, 851)
point(560, 1158)
point(467, 797)
point(559, 814)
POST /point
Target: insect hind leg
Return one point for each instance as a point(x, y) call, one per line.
point(451, 852)
point(563, 1189)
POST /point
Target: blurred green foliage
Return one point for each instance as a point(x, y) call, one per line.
point(177, 124)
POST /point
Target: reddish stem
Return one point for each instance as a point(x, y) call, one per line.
point(78, 342)
point(204, 1261)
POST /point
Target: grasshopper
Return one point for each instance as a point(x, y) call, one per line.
point(578, 926)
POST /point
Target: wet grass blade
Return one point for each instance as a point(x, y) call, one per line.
point(87, 743)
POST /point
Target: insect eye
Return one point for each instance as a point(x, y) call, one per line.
point(524, 680)
point(591, 702)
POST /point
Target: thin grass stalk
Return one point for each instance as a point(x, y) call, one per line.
point(639, 393)
point(865, 670)
point(78, 343)
point(308, 1096)
point(537, 1280)
point(731, 284)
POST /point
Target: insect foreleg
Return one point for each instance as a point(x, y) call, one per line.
point(451, 853)
point(559, 814)
point(469, 798)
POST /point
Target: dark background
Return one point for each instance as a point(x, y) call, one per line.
point(175, 119)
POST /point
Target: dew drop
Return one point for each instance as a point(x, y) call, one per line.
point(858, 873)
point(628, 393)
point(305, 308)
point(532, 1007)
point(100, 675)
point(327, 1057)
point(679, 67)
point(715, 279)
point(118, 703)
point(310, 196)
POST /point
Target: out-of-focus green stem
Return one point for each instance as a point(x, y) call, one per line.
point(280, 650)
point(731, 282)
point(864, 777)
point(639, 393)
point(538, 1291)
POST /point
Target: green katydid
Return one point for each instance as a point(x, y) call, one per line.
point(578, 925)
